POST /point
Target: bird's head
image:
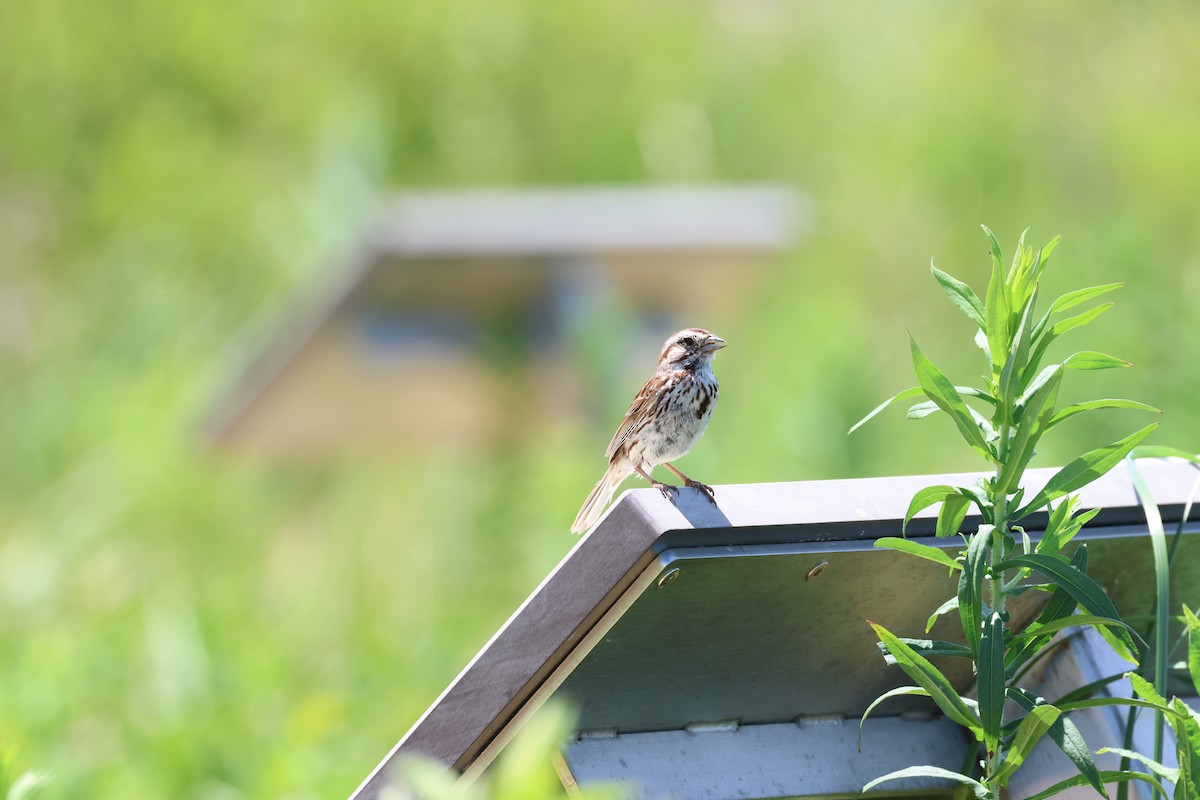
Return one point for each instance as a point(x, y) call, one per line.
point(689, 348)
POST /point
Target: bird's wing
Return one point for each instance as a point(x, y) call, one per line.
point(643, 406)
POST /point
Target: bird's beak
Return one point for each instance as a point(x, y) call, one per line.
point(713, 344)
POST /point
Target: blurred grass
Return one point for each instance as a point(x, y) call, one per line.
point(175, 625)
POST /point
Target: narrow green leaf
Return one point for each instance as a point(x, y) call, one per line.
point(1035, 725)
point(1079, 320)
point(996, 312)
point(1037, 383)
point(951, 516)
point(1074, 621)
point(1187, 737)
point(1166, 773)
point(1024, 284)
point(1044, 256)
point(1086, 592)
point(939, 389)
point(1020, 256)
point(978, 788)
point(1101, 702)
point(1072, 299)
point(1068, 737)
point(929, 678)
point(1091, 360)
point(946, 608)
point(1083, 470)
point(1061, 327)
point(907, 394)
point(924, 499)
point(927, 648)
point(993, 245)
point(1107, 776)
point(970, 587)
point(978, 494)
point(922, 410)
point(1059, 606)
point(1088, 690)
point(1018, 357)
point(1159, 451)
point(1193, 625)
point(961, 295)
point(1054, 540)
point(1162, 588)
point(1146, 690)
point(990, 685)
point(1037, 408)
point(1091, 405)
point(897, 692)
point(934, 554)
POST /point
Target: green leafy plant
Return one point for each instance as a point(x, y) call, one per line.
point(1003, 421)
point(1150, 684)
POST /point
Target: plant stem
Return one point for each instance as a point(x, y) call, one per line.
point(1000, 528)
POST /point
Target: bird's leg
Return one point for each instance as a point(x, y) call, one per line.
point(668, 491)
point(708, 490)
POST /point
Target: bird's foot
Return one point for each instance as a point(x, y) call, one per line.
point(703, 487)
point(668, 491)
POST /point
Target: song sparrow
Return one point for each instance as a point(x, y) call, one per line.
point(667, 417)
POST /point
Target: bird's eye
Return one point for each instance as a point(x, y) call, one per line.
point(690, 341)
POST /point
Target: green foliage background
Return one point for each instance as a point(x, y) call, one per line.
point(172, 174)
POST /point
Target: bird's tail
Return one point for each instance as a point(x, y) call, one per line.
point(596, 502)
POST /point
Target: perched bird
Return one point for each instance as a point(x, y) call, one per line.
point(667, 417)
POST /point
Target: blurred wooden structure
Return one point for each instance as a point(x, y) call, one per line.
point(452, 292)
point(722, 652)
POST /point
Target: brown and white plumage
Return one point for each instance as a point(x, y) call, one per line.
point(664, 421)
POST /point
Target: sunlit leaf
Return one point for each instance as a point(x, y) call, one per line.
point(907, 394)
point(1107, 776)
point(922, 410)
point(934, 554)
point(940, 390)
point(1060, 605)
point(1036, 724)
point(1159, 451)
point(927, 648)
point(1059, 328)
point(1083, 470)
point(1037, 410)
point(897, 692)
point(961, 295)
point(1074, 621)
point(1091, 405)
point(1091, 360)
point(1086, 592)
point(1056, 537)
point(1193, 625)
point(1166, 773)
point(1162, 587)
point(1018, 357)
point(924, 499)
point(996, 310)
point(1072, 299)
point(931, 680)
point(1067, 736)
point(930, 772)
point(944, 608)
point(951, 516)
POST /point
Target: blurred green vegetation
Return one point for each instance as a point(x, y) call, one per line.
point(172, 176)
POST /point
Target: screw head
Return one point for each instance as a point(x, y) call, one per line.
point(667, 578)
